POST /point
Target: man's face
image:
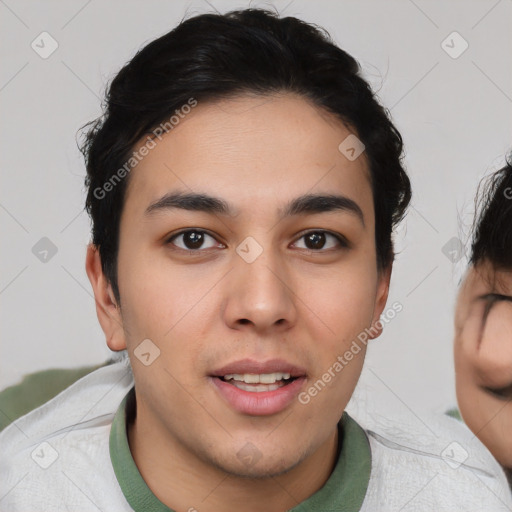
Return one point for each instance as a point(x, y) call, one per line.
point(483, 357)
point(257, 291)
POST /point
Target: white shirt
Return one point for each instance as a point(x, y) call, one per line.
point(56, 458)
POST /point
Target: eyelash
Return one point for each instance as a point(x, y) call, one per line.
point(504, 393)
point(343, 244)
point(495, 297)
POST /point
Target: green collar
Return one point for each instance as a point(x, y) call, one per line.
point(344, 491)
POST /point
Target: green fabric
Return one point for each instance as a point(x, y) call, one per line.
point(36, 389)
point(454, 413)
point(344, 491)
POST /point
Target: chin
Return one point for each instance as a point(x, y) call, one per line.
point(252, 464)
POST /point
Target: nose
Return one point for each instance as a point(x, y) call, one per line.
point(260, 295)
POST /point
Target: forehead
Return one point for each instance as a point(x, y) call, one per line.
point(486, 277)
point(254, 151)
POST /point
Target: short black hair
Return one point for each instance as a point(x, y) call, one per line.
point(492, 227)
point(217, 56)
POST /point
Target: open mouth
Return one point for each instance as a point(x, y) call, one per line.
point(259, 389)
point(258, 383)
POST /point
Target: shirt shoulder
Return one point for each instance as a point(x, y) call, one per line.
point(56, 457)
point(431, 463)
point(35, 389)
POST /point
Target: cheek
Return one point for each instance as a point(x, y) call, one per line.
point(466, 394)
point(464, 359)
point(345, 301)
point(491, 421)
point(157, 297)
point(343, 310)
point(466, 346)
point(495, 354)
point(460, 358)
point(485, 354)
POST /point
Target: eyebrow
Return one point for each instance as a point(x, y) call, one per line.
point(305, 204)
point(490, 299)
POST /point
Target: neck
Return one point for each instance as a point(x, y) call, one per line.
point(182, 481)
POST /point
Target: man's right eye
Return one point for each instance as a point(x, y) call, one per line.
point(191, 240)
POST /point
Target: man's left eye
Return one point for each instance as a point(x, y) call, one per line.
point(316, 240)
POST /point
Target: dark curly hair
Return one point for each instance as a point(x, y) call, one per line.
point(492, 227)
point(213, 57)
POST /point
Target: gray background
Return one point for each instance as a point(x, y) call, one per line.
point(454, 115)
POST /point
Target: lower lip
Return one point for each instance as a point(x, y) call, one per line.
point(259, 403)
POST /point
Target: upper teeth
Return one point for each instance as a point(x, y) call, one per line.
point(253, 378)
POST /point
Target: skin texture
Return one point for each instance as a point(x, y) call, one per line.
point(483, 358)
point(208, 309)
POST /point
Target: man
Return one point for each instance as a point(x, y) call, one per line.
point(483, 322)
point(243, 186)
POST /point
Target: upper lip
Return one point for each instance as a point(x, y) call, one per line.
point(258, 367)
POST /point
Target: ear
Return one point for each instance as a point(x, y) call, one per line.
point(109, 313)
point(381, 298)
